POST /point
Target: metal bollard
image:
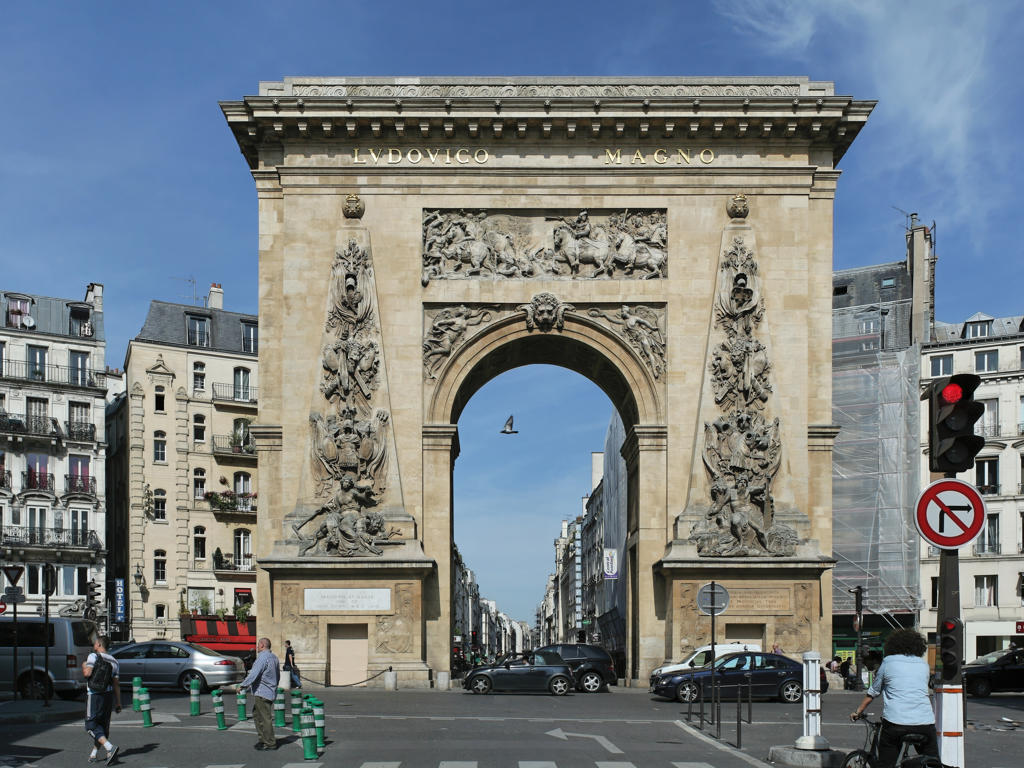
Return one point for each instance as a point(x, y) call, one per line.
point(136, 685)
point(701, 694)
point(279, 707)
point(240, 700)
point(750, 699)
point(218, 709)
point(812, 738)
point(193, 698)
point(296, 710)
point(739, 719)
point(718, 712)
point(320, 723)
point(308, 733)
point(689, 708)
point(146, 707)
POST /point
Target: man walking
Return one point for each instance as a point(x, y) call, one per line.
point(103, 695)
point(289, 664)
point(262, 680)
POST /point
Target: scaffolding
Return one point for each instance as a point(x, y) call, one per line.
point(876, 459)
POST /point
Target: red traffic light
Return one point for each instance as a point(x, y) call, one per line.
point(952, 394)
point(949, 625)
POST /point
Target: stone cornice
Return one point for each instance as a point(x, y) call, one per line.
point(655, 109)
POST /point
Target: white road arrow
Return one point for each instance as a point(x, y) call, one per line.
point(558, 733)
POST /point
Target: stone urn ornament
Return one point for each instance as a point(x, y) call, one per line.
point(354, 207)
point(738, 208)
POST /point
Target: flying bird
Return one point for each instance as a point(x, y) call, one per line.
point(507, 429)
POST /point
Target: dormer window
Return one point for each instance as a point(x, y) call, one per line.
point(888, 282)
point(18, 308)
point(78, 321)
point(250, 338)
point(198, 331)
point(979, 329)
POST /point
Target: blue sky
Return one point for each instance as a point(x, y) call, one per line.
point(118, 168)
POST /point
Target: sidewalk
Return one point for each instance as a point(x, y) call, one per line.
point(35, 711)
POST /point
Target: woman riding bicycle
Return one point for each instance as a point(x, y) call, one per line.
point(902, 679)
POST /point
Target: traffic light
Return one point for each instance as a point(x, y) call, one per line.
point(92, 599)
point(952, 411)
point(951, 637)
point(473, 639)
point(49, 579)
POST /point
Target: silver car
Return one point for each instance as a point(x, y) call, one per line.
point(173, 664)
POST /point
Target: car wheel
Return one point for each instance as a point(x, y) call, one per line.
point(480, 684)
point(687, 691)
point(559, 685)
point(791, 691)
point(185, 681)
point(35, 685)
point(981, 688)
point(591, 682)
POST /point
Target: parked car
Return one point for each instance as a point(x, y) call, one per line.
point(771, 675)
point(592, 667)
point(173, 664)
point(533, 671)
point(998, 671)
point(70, 641)
point(702, 656)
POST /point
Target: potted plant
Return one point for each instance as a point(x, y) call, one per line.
point(242, 611)
point(203, 603)
point(218, 559)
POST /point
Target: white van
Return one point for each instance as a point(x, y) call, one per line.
point(702, 656)
point(70, 644)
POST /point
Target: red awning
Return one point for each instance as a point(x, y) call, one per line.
point(223, 642)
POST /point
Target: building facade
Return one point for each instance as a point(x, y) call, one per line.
point(52, 447)
point(992, 568)
point(881, 317)
point(192, 513)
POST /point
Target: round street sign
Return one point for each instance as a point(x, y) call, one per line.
point(950, 514)
point(712, 599)
point(3, 606)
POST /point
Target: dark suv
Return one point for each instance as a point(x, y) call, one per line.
point(592, 665)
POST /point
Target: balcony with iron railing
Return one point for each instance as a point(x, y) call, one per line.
point(53, 374)
point(235, 393)
point(37, 481)
point(21, 424)
point(82, 431)
point(235, 564)
point(229, 501)
point(197, 338)
point(33, 536)
point(987, 430)
point(230, 444)
point(80, 484)
point(988, 490)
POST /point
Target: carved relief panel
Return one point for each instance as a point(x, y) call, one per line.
point(461, 244)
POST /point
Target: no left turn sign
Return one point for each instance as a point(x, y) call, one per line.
point(950, 514)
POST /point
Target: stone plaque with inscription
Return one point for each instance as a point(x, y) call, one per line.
point(347, 600)
point(760, 601)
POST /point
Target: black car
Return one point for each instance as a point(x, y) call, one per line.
point(536, 671)
point(592, 666)
point(771, 676)
point(997, 671)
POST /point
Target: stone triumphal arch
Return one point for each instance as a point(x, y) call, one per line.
point(669, 239)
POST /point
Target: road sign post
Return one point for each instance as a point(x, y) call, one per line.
point(950, 514)
point(713, 599)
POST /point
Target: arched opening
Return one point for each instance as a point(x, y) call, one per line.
point(606, 360)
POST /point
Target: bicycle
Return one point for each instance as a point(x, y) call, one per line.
point(868, 757)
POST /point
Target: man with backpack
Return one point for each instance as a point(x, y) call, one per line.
point(102, 697)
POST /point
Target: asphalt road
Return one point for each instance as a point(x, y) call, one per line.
point(452, 729)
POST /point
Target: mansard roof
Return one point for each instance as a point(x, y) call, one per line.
point(167, 323)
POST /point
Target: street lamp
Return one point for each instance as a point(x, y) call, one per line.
point(139, 577)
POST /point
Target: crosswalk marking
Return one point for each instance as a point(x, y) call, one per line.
point(692, 765)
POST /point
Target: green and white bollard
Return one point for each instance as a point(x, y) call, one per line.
point(241, 705)
point(218, 709)
point(320, 723)
point(308, 733)
point(279, 707)
point(146, 707)
point(136, 685)
point(296, 711)
point(193, 698)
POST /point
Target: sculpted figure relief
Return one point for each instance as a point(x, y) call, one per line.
point(461, 244)
point(642, 326)
point(346, 529)
point(446, 332)
point(546, 311)
point(742, 449)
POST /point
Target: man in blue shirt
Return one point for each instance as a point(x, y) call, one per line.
point(262, 681)
point(902, 680)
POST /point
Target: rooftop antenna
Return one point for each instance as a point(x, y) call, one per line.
point(191, 281)
point(910, 217)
